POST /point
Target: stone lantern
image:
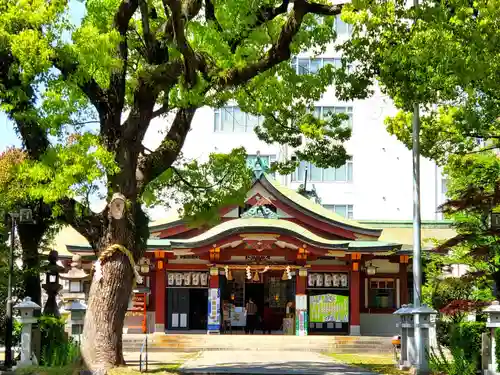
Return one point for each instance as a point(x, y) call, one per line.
point(52, 286)
point(406, 331)
point(27, 309)
point(493, 323)
point(424, 318)
point(74, 298)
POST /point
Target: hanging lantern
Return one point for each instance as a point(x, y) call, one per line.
point(256, 276)
point(249, 273)
point(371, 269)
point(229, 276)
point(285, 276)
point(288, 273)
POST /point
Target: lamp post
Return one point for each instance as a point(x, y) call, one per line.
point(24, 216)
point(52, 286)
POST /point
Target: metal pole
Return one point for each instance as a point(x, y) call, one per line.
point(9, 326)
point(417, 267)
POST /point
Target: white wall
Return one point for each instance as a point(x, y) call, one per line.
point(382, 166)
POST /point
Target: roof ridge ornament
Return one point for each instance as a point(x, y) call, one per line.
point(258, 165)
point(261, 212)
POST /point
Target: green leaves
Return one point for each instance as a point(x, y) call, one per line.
point(203, 189)
point(447, 62)
point(75, 169)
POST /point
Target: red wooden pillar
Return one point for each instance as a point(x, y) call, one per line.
point(354, 297)
point(214, 278)
point(300, 284)
point(403, 277)
point(160, 293)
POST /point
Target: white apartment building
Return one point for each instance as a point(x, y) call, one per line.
point(375, 185)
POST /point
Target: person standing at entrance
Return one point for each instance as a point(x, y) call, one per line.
point(267, 317)
point(251, 309)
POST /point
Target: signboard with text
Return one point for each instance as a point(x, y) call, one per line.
point(213, 319)
point(329, 308)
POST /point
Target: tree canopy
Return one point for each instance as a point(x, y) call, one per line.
point(443, 56)
point(82, 97)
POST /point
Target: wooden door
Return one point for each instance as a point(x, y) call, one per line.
point(178, 309)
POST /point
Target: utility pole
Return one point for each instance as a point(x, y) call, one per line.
point(417, 240)
point(9, 325)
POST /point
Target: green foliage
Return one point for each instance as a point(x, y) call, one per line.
point(497, 347)
point(56, 349)
point(439, 364)
point(446, 60)
point(467, 337)
point(86, 58)
point(202, 189)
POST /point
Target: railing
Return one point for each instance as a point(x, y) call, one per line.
point(144, 355)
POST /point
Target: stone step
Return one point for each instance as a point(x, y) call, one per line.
point(198, 342)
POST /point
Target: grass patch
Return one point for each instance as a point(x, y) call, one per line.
point(171, 369)
point(378, 363)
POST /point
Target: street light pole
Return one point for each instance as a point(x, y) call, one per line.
point(9, 324)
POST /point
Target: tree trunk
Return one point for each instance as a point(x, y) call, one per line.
point(109, 296)
point(30, 236)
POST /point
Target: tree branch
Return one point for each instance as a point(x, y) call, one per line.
point(111, 119)
point(264, 14)
point(178, 23)
point(153, 165)
point(280, 50)
point(82, 219)
point(210, 14)
point(190, 9)
point(162, 78)
point(89, 86)
point(198, 187)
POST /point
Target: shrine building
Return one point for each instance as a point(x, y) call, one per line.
point(311, 270)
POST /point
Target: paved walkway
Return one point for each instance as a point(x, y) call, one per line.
point(157, 359)
point(266, 362)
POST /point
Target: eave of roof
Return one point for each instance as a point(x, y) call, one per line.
point(153, 244)
point(301, 203)
point(258, 225)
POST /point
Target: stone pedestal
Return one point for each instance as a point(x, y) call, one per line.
point(418, 328)
point(493, 323)
point(27, 309)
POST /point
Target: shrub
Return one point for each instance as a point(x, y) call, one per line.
point(56, 348)
point(458, 365)
point(466, 336)
point(497, 347)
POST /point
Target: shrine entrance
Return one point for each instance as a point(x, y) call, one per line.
point(272, 291)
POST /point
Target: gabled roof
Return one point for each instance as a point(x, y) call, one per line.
point(278, 226)
point(313, 209)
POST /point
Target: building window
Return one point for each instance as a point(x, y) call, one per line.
point(233, 120)
point(444, 186)
point(323, 112)
point(344, 210)
point(382, 293)
point(311, 65)
point(316, 174)
point(266, 160)
point(342, 28)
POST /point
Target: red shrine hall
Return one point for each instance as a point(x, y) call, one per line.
point(306, 269)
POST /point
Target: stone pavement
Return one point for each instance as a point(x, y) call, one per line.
point(266, 362)
point(157, 359)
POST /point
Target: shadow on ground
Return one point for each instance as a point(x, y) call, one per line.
point(302, 367)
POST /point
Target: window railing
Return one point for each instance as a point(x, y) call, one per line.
point(232, 119)
point(316, 174)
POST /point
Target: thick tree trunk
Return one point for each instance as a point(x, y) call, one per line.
point(110, 292)
point(30, 236)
